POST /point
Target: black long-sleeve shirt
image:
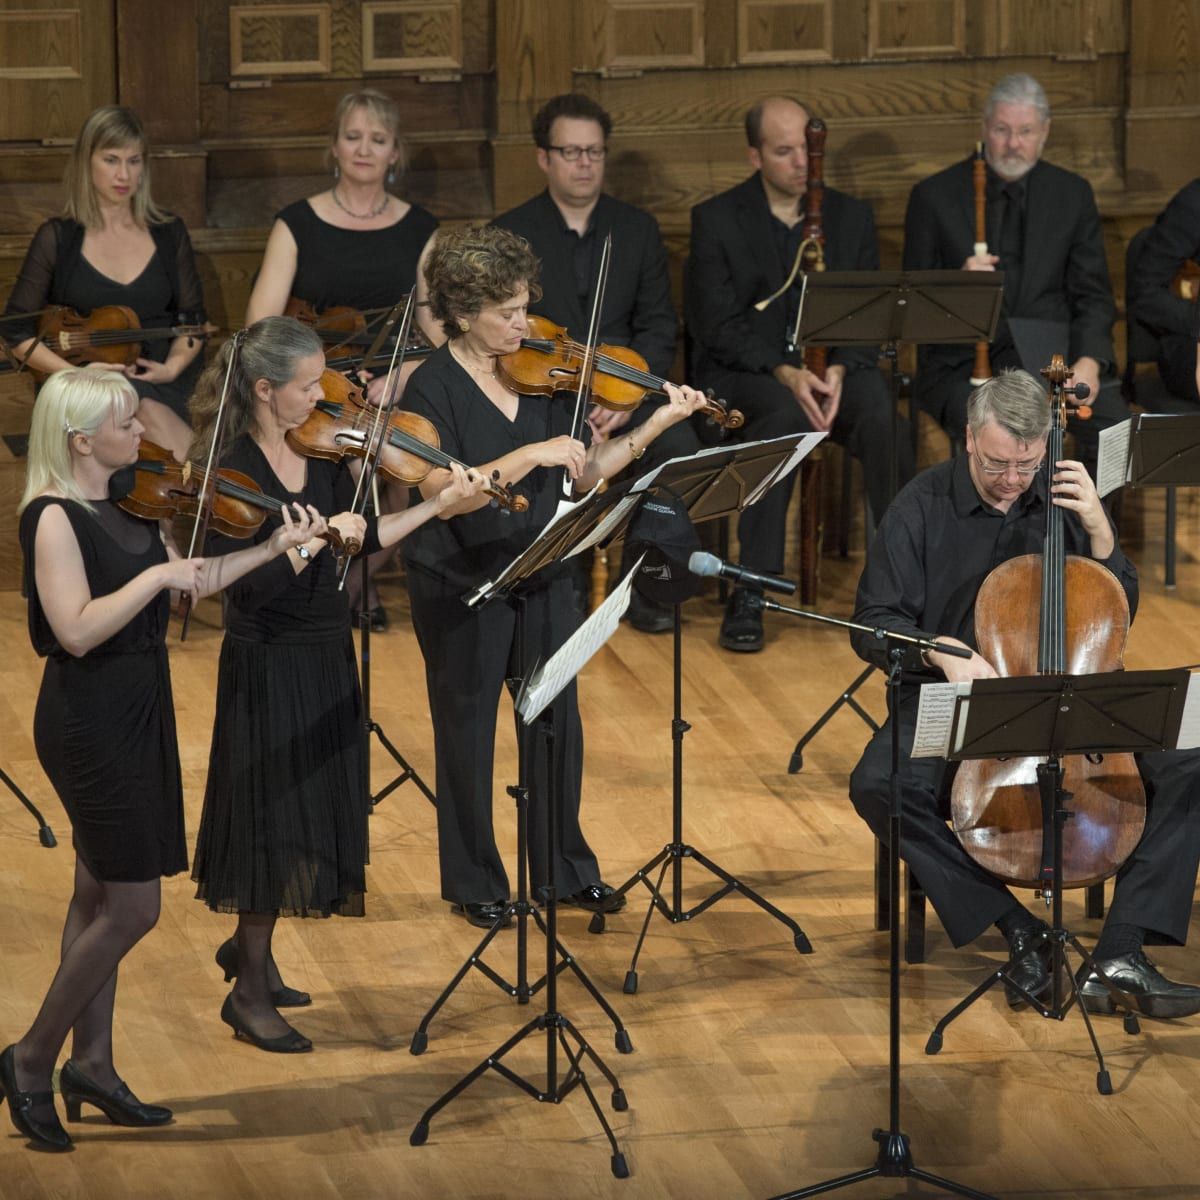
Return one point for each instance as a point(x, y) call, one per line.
point(1174, 239)
point(937, 543)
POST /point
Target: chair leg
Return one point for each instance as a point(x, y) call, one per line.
point(810, 529)
point(1169, 541)
point(914, 925)
point(1094, 902)
point(882, 894)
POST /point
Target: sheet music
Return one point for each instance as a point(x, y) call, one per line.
point(1112, 458)
point(607, 522)
point(1189, 725)
point(805, 446)
point(935, 718)
point(550, 679)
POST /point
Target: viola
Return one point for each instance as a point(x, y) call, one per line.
point(550, 360)
point(111, 333)
point(344, 331)
point(165, 488)
point(1080, 615)
point(344, 424)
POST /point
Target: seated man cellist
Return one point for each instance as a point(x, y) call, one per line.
point(936, 544)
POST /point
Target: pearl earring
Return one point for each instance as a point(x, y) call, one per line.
point(464, 325)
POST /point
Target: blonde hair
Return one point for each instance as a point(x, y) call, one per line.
point(74, 400)
point(381, 108)
point(270, 349)
point(108, 128)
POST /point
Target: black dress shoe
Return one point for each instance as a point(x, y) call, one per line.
point(379, 619)
point(648, 617)
point(1033, 971)
point(484, 914)
point(597, 898)
point(282, 997)
point(292, 1042)
point(44, 1133)
point(742, 628)
point(1152, 993)
point(120, 1105)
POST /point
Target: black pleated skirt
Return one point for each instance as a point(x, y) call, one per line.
point(284, 827)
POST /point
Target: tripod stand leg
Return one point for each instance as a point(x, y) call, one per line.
point(617, 1160)
point(631, 976)
point(796, 763)
point(934, 1044)
point(1103, 1079)
point(1117, 998)
point(45, 833)
point(799, 937)
point(597, 923)
point(407, 770)
point(623, 1043)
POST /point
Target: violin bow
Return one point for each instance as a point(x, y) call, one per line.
point(393, 314)
point(208, 491)
point(588, 369)
point(382, 420)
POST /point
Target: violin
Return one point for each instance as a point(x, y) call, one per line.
point(1081, 615)
point(344, 330)
point(550, 360)
point(111, 333)
point(343, 423)
point(165, 488)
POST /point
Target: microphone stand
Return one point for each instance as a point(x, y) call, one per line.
point(894, 1158)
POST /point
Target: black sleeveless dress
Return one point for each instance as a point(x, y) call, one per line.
point(104, 726)
point(284, 827)
point(361, 268)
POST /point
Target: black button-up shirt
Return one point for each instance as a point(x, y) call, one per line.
point(935, 546)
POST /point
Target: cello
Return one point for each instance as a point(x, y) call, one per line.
point(1082, 617)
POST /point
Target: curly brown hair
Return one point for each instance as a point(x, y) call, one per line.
point(472, 265)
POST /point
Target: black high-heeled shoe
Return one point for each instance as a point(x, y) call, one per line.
point(282, 997)
point(43, 1133)
point(292, 1042)
point(120, 1105)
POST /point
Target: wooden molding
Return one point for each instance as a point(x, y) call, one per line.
point(932, 29)
point(784, 31)
point(430, 35)
point(1065, 30)
point(255, 24)
point(667, 33)
point(59, 39)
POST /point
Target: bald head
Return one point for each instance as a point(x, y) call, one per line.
point(775, 133)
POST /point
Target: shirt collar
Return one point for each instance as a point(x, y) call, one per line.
point(561, 221)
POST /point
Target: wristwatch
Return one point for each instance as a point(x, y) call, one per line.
point(304, 552)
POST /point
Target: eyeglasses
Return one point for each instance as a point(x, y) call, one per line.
point(574, 153)
point(990, 467)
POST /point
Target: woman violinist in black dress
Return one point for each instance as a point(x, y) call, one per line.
point(479, 286)
point(356, 246)
point(114, 245)
point(97, 579)
point(284, 827)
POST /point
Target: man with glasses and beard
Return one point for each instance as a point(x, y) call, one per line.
point(1043, 232)
point(566, 225)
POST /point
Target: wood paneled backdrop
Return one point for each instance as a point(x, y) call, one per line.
point(237, 98)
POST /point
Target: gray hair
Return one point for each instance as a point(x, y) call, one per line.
point(1018, 89)
point(1016, 401)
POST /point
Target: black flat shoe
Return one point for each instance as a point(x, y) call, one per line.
point(483, 915)
point(1033, 971)
point(292, 1042)
point(120, 1105)
point(379, 618)
point(597, 898)
point(283, 997)
point(1153, 994)
point(647, 617)
point(44, 1133)
point(742, 628)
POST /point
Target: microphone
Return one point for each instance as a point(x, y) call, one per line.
point(701, 563)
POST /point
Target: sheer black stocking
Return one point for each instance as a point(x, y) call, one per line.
point(252, 989)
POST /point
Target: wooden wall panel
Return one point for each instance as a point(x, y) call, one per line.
point(784, 31)
point(412, 35)
point(280, 39)
point(927, 28)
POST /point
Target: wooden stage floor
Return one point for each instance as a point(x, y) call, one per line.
point(756, 1070)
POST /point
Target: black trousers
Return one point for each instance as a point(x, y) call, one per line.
point(863, 426)
point(1154, 887)
point(468, 655)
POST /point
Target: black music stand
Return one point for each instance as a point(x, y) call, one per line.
point(893, 1159)
point(572, 528)
point(713, 483)
point(885, 308)
point(533, 702)
point(1054, 716)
